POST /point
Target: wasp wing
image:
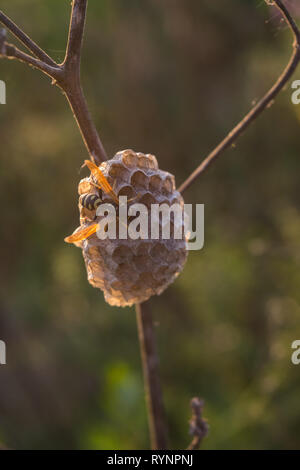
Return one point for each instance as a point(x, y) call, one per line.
point(101, 179)
point(82, 233)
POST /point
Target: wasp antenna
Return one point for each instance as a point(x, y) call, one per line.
point(83, 165)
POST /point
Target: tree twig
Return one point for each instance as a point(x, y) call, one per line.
point(260, 106)
point(66, 75)
point(76, 30)
point(198, 425)
point(12, 52)
point(150, 362)
point(26, 40)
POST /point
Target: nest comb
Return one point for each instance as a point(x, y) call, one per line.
point(131, 271)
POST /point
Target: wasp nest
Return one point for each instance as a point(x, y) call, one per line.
point(130, 271)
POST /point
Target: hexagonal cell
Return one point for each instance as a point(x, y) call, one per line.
point(117, 170)
point(122, 270)
point(144, 161)
point(120, 254)
point(147, 279)
point(139, 180)
point(147, 199)
point(143, 248)
point(128, 191)
point(152, 161)
point(159, 252)
point(176, 200)
point(106, 198)
point(118, 156)
point(170, 256)
point(164, 200)
point(142, 263)
point(167, 185)
point(129, 158)
point(155, 182)
point(125, 271)
point(162, 272)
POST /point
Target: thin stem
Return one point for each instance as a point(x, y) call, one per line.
point(66, 75)
point(12, 52)
point(260, 106)
point(198, 425)
point(85, 123)
point(26, 40)
point(75, 39)
point(72, 86)
point(153, 392)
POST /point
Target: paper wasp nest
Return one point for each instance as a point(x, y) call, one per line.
point(130, 271)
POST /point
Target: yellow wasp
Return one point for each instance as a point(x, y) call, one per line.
point(90, 201)
point(102, 184)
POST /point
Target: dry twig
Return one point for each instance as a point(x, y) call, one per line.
point(66, 75)
point(150, 362)
point(260, 106)
point(198, 425)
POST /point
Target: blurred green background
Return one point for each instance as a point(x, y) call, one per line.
point(168, 77)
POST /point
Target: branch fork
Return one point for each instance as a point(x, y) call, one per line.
point(66, 75)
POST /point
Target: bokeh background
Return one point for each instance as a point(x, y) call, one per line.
point(168, 77)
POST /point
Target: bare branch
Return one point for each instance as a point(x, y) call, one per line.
point(150, 361)
point(85, 122)
point(12, 52)
point(66, 75)
point(76, 30)
point(2, 41)
point(260, 106)
point(198, 425)
point(71, 83)
point(26, 40)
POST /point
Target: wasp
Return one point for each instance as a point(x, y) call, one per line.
point(92, 201)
